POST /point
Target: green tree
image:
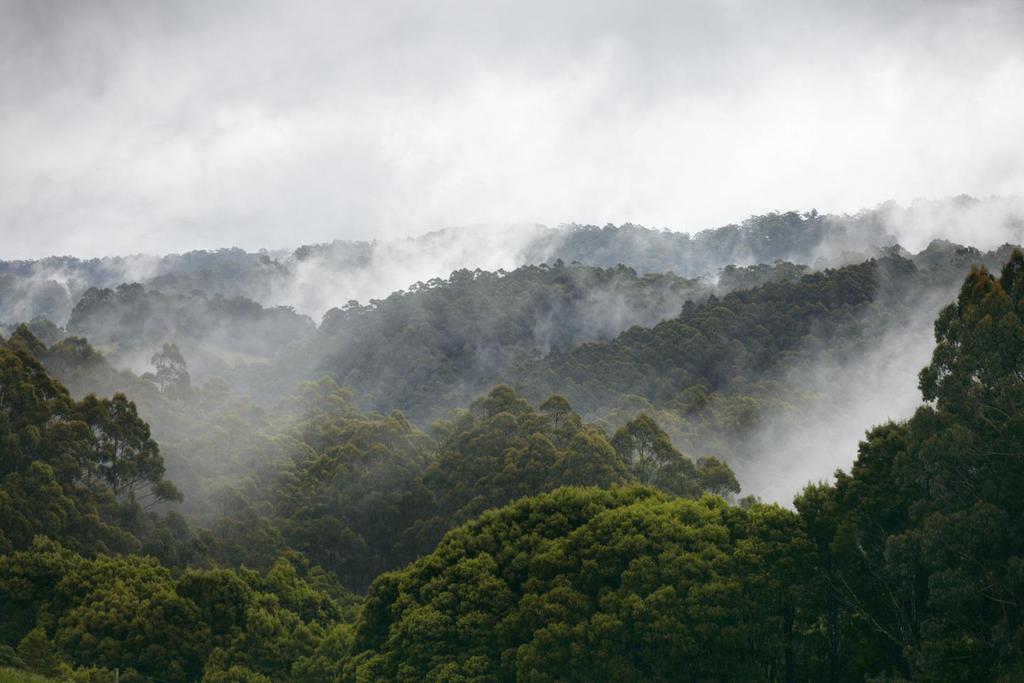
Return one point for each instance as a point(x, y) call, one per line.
point(37, 653)
point(919, 545)
point(171, 369)
point(587, 584)
point(652, 459)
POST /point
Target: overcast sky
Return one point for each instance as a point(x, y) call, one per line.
point(164, 126)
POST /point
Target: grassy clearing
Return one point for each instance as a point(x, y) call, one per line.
point(15, 676)
point(235, 358)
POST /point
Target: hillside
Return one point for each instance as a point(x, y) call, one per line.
point(552, 472)
point(574, 556)
point(316, 277)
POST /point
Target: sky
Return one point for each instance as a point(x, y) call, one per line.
point(148, 126)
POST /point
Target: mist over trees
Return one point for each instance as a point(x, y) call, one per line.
point(540, 473)
point(316, 277)
point(511, 342)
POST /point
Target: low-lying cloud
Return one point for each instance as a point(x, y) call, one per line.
point(148, 126)
point(863, 390)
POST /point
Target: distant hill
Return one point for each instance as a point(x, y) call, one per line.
point(316, 277)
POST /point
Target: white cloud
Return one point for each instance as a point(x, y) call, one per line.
point(138, 126)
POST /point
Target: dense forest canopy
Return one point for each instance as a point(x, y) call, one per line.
point(718, 369)
point(538, 474)
point(718, 373)
point(730, 367)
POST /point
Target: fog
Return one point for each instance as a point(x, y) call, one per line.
point(152, 127)
point(873, 387)
point(985, 225)
point(316, 278)
point(335, 273)
point(401, 142)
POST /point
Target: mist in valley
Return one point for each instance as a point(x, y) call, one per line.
point(873, 384)
point(512, 340)
point(877, 381)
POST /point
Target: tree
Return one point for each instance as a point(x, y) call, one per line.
point(588, 584)
point(652, 458)
point(171, 370)
point(74, 470)
point(37, 653)
point(714, 476)
point(919, 546)
point(123, 453)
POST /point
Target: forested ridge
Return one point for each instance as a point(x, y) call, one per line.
point(51, 287)
point(713, 374)
point(511, 342)
point(516, 475)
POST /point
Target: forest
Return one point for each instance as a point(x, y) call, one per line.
point(239, 467)
point(588, 341)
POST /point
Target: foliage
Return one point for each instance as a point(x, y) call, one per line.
point(130, 613)
point(649, 453)
point(439, 344)
point(545, 543)
point(920, 545)
point(364, 493)
point(15, 676)
point(584, 584)
point(82, 471)
point(216, 333)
